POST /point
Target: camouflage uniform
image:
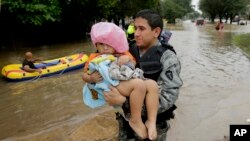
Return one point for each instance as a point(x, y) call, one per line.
point(169, 82)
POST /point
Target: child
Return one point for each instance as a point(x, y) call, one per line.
point(110, 39)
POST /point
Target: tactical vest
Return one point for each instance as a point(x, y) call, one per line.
point(150, 61)
point(152, 67)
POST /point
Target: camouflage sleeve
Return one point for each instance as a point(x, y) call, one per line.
point(169, 80)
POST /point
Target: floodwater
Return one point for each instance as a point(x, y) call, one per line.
point(41, 105)
point(216, 90)
point(215, 93)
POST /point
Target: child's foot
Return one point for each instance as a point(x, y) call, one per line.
point(139, 128)
point(152, 132)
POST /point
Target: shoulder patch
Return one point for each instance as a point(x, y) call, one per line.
point(169, 74)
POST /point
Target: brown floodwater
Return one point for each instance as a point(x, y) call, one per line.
point(215, 93)
point(40, 105)
point(216, 78)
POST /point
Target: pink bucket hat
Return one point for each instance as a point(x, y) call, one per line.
point(110, 34)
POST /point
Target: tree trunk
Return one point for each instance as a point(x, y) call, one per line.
point(231, 18)
point(116, 20)
point(123, 22)
point(220, 16)
point(226, 18)
point(212, 18)
point(109, 19)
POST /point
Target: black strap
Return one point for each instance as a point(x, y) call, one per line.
point(168, 46)
point(167, 115)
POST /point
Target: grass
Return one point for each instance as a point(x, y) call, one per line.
point(243, 41)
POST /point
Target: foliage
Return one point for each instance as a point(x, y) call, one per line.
point(222, 8)
point(39, 12)
point(172, 9)
point(208, 7)
point(34, 12)
point(130, 7)
point(107, 7)
point(193, 15)
point(185, 4)
point(50, 18)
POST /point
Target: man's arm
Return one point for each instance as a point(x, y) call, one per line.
point(36, 60)
point(28, 69)
point(169, 80)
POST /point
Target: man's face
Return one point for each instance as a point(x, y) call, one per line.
point(145, 36)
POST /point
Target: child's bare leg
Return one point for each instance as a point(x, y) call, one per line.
point(135, 89)
point(152, 102)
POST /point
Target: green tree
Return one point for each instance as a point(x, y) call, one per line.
point(131, 7)
point(222, 8)
point(186, 5)
point(78, 15)
point(107, 7)
point(118, 9)
point(34, 12)
point(68, 18)
point(172, 9)
point(193, 15)
point(209, 7)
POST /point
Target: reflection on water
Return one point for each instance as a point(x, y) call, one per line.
point(210, 62)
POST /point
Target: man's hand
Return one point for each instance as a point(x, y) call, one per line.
point(36, 60)
point(95, 77)
point(113, 97)
point(39, 70)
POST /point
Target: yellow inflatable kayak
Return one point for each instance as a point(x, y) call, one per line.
point(14, 72)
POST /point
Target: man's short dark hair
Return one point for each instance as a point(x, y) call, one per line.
point(154, 19)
